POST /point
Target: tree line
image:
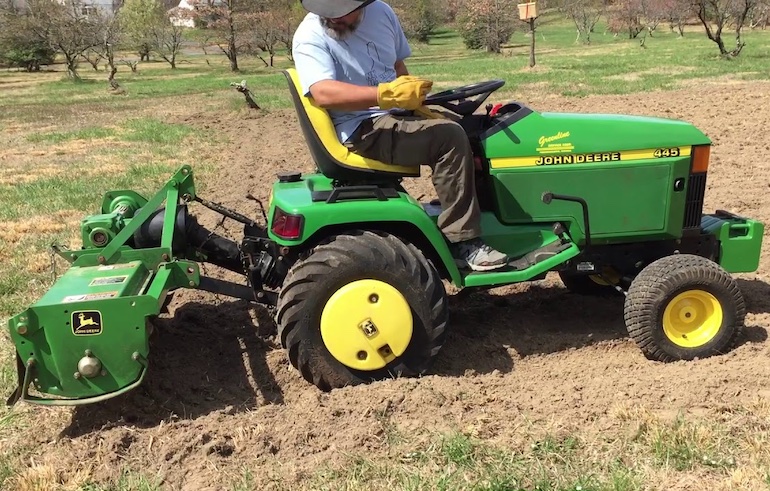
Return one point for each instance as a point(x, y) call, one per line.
point(489, 24)
point(33, 32)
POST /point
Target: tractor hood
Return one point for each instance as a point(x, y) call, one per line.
point(526, 133)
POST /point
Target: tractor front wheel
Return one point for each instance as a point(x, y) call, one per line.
point(683, 307)
point(360, 307)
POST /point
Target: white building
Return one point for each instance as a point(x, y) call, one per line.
point(182, 14)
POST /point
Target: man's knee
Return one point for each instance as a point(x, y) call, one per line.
point(449, 134)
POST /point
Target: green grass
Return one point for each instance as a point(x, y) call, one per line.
point(147, 130)
point(129, 481)
point(611, 462)
point(712, 448)
point(154, 131)
point(599, 68)
point(79, 191)
point(88, 133)
point(245, 482)
point(563, 67)
point(457, 461)
point(685, 445)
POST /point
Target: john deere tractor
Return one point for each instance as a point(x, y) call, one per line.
point(355, 266)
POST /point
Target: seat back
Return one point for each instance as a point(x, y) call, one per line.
point(331, 157)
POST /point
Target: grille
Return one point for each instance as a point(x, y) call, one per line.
point(696, 190)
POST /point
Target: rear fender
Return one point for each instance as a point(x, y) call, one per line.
point(402, 215)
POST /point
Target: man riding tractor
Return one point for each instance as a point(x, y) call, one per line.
point(349, 56)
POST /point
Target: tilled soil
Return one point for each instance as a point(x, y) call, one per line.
point(221, 394)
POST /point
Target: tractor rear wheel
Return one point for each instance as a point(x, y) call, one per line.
point(683, 307)
point(360, 307)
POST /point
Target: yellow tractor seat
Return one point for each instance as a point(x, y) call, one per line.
point(331, 157)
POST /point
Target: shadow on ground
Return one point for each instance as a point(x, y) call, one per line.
point(210, 358)
point(205, 358)
point(757, 295)
point(485, 327)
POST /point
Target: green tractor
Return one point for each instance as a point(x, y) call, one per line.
point(355, 267)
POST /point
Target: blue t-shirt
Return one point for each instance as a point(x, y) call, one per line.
point(365, 57)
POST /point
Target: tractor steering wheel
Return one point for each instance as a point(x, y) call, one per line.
point(483, 89)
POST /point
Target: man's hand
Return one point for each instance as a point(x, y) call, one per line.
point(405, 92)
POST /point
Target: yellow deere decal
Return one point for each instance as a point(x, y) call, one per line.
point(588, 158)
point(86, 322)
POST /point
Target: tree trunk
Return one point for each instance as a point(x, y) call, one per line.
point(72, 66)
point(231, 47)
point(721, 45)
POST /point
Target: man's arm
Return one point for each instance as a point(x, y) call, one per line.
point(400, 68)
point(332, 94)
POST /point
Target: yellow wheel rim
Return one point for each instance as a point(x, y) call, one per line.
point(366, 324)
point(692, 318)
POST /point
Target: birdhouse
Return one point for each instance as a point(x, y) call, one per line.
point(527, 10)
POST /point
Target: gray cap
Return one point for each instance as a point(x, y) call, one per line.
point(333, 9)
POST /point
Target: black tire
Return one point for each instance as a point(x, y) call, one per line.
point(337, 262)
point(582, 284)
point(661, 282)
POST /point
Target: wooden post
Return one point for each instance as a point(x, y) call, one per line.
point(528, 14)
point(532, 42)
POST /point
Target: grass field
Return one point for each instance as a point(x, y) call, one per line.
point(63, 143)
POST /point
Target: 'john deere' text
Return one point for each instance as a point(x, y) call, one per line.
point(578, 159)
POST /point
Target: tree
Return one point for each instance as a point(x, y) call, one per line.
point(715, 15)
point(107, 29)
point(271, 27)
point(419, 18)
point(225, 21)
point(451, 10)
point(250, 26)
point(760, 15)
point(626, 16)
point(64, 28)
point(19, 47)
point(585, 14)
point(139, 19)
point(167, 39)
point(488, 24)
point(676, 13)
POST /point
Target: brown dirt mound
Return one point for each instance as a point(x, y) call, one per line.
point(220, 393)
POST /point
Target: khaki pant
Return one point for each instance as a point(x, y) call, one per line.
point(439, 143)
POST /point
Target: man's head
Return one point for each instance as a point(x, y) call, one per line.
point(338, 17)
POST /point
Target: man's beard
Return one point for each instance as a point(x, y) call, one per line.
point(339, 31)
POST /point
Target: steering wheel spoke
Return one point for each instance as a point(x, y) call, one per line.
point(462, 96)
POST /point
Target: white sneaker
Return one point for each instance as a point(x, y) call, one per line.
point(478, 256)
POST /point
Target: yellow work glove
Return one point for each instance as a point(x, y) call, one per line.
point(405, 92)
point(427, 113)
